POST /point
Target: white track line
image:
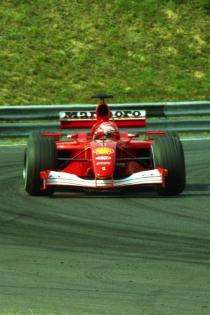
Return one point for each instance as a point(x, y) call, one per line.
point(12, 145)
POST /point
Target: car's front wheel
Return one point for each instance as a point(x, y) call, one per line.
point(167, 153)
point(40, 154)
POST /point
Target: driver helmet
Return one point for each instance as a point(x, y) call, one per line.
point(107, 130)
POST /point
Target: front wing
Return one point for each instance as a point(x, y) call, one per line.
point(149, 177)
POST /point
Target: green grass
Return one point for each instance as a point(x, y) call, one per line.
point(61, 51)
point(32, 313)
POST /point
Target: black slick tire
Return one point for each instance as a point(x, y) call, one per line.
point(40, 154)
point(167, 152)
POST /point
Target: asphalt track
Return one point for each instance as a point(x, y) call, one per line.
point(84, 253)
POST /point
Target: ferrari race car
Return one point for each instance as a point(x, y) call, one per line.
point(105, 158)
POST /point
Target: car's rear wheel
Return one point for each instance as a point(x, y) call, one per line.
point(167, 152)
point(40, 154)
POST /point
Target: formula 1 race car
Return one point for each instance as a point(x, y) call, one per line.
point(105, 158)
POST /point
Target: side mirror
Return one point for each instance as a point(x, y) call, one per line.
point(72, 136)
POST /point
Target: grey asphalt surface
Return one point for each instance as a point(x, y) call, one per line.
point(85, 253)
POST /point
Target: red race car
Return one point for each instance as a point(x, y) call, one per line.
point(107, 157)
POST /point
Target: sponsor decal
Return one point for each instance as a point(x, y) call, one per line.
point(119, 114)
point(103, 157)
point(103, 151)
point(103, 163)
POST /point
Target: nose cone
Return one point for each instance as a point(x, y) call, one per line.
point(103, 158)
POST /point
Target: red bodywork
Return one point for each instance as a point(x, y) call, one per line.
point(107, 156)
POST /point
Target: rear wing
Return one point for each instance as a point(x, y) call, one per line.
point(133, 117)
